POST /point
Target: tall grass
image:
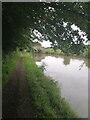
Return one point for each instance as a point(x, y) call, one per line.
point(9, 63)
point(45, 97)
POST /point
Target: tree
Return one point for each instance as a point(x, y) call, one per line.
point(21, 19)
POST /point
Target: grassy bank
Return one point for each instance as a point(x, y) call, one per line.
point(9, 63)
point(45, 97)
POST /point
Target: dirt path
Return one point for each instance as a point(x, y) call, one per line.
point(16, 95)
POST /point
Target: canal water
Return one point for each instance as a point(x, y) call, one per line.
point(71, 74)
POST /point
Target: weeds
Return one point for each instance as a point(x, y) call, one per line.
point(46, 99)
point(9, 63)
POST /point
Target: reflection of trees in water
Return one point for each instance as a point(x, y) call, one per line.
point(39, 57)
point(81, 66)
point(88, 63)
point(43, 66)
point(85, 62)
point(66, 60)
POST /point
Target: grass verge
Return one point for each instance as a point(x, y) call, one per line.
point(9, 63)
point(46, 99)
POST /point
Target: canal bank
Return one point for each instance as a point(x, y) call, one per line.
point(46, 99)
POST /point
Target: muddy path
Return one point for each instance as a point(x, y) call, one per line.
point(16, 95)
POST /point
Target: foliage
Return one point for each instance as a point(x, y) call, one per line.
point(46, 99)
point(22, 19)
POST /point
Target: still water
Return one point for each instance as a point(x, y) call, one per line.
point(71, 74)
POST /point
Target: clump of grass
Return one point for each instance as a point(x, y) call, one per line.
point(46, 99)
point(9, 63)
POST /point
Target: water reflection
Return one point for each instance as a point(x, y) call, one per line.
point(71, 73)
point(66, 59)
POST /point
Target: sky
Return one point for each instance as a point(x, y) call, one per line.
point(46, 44)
